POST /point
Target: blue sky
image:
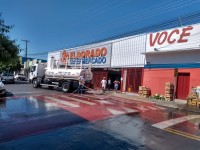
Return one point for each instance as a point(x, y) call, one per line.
point(52, 25)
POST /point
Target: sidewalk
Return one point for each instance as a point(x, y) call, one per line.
point(177, 104)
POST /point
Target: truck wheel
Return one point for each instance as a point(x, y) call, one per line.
point(66, 87)
point(35, 83)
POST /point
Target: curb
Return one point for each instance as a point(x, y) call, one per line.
point(195, 109)
point(136, 97)
point(157, 102)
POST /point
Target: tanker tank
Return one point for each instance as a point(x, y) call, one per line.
point(69, 73)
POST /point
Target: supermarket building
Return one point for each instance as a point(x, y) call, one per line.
point(149, 59)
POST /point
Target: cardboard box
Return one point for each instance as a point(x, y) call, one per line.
point(168, 95)
point(141, 88)
point(168, 83)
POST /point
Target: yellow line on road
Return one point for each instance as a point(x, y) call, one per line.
point(187, 135)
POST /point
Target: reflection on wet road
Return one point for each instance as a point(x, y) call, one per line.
point(69, 121)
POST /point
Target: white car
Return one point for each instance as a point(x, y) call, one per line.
point(20, 77)
point(2, 89)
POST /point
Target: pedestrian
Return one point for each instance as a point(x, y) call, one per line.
point(103, 85)
point(109, 84)
point(81, 84)
point(116, 85)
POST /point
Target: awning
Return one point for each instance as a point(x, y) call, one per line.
point(172, 51)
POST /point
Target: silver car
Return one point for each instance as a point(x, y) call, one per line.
point(7, 78)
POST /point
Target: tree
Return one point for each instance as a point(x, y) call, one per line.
point(9, 50)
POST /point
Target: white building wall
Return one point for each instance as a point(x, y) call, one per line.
point(160, 51)
point(180, 57)
point(126, 52)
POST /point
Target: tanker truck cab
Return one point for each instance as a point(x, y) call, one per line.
point(36, 70)
point(65, 79)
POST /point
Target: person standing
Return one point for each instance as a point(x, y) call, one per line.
point(81, 84)
point(116, 85)
point(109, 84)
point(103, 84)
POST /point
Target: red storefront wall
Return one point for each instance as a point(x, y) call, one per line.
point(155, 79)
point(194, 76)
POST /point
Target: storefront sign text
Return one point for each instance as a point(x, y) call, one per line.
point(94, 56)
point(179, 35)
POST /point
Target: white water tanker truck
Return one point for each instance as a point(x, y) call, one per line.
point(64, 78)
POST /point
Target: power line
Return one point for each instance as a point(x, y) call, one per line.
point(191, 18)
point(139, 14)
point(134, 14)
point(110, 8)
point(142, 15)
point(170, 24)
point(138, 19)
point(94, 10)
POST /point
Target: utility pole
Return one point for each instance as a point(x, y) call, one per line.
point(26, 51)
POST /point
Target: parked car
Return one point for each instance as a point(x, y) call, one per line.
point(20, 77)
point(7, 77)
point(2, 89)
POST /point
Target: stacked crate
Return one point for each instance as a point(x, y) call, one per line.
point(144, 91)
point(193, 99)
point(169, 91)
point(140, 90)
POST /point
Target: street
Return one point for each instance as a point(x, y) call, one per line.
point(49, 119)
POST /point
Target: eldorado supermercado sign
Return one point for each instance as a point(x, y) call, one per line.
point(99, 55)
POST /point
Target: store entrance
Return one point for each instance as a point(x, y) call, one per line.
point(134, 79)
point(183, 83)
point(114, 74)
point(98, 75)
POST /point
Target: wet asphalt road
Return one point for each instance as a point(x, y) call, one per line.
point(25, 88)
point(48, 119)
